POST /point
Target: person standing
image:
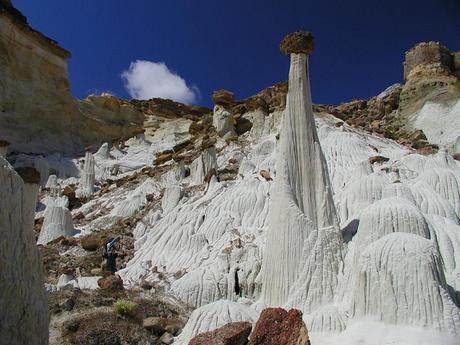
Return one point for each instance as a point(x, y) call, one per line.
point(109, 252)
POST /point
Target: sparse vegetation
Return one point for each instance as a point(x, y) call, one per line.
point(125, 307)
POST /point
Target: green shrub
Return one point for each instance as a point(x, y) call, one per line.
point(125, 307)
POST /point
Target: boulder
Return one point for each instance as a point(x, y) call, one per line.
point(111, 283)
point(167, 338)
point(90, 243)
point(299, 42)
point(235, 333)
point(223, 97)
point(69, 192)
point(160, 325)
point(277, 326)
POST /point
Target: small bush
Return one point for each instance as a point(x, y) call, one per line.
point(125, 307)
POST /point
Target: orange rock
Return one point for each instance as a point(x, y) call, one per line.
point(277, 326)
point(235, 333)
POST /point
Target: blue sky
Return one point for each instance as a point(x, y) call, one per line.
point(213, 44)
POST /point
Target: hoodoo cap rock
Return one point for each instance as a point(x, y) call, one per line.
point(29, 174)
point(297, 42)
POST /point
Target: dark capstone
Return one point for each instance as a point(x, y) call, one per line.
point(223, 97)
point(297, 42)
point(29, 174)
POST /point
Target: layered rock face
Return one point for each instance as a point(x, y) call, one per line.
point(303, 237)
point(38, 112)
point(24, 316)
point(429, 53)
point(431, 96)
point(34, 88)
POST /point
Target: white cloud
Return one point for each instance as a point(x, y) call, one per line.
point(147, 79)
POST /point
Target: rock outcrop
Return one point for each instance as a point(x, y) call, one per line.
point(24, 316)
point(37, 111)
point(430, 74)
point(429, 53)
point(278, 326)
point(303, 248)
point(235, 333)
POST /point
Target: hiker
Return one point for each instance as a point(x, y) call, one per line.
point(110, 254)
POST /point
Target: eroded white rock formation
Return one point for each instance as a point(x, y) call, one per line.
point(401, 281)
point(215, 315)
point(57, 223)
point(201, 166)
point(171, 198)
point(24, 307)
point(223, 122)
point(303, 249)
point(88, 177)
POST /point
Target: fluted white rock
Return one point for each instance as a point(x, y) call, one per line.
point(171, 197)
point(401, 281)
point(201, 166)
point(215, 315)
point(57, 223)
point(303, 247)
point(223, 122)
point(24, 307)
point(88, 177)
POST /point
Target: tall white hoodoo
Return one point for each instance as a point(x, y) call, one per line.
point(88, 178)
point(303, 249)
point(24, 307)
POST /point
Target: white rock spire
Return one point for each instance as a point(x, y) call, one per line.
point(303, 248)
point(24, 308)
point(88, 177)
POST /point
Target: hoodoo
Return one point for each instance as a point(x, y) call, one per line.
point(223, 119)
point(86, 188)
point(24, 315)
point(303, 248)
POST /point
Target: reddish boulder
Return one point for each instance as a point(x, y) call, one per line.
point(235, 333)
point(111, 283)
point(277, 326)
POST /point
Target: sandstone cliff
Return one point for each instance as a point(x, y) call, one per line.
point(37, 111)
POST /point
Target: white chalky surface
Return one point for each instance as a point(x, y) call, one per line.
point(57, 223)
point(213, 316)
point(24, 305)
